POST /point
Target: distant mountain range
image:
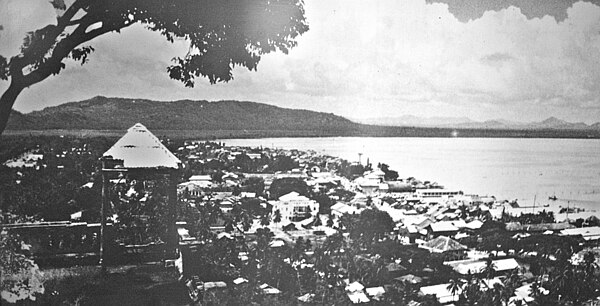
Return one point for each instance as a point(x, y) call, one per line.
point(227, 119)
point(102, 113)
point(466, 123)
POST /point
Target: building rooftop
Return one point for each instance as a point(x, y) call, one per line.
point(139, 148)
point(293, 196)
point(441, 292)
point(443, 226)
point(588, 233)
point(444, 244)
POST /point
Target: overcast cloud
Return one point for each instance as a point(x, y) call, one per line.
point(366, 59)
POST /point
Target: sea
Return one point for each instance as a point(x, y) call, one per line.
point(528, 170)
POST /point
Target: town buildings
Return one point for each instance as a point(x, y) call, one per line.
point(294, 207)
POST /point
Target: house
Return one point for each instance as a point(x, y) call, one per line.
point(443, 244)
point(442, 228)
point(323, 183)
point(474, 225)
point(441, 196)
point(356, 294)
point(295, 207)
point(27, 160)
point(375, 293)
point(358, 297)
point(368, 186)
point(588, 233)
point(244, 194)
point(465, 267)
point(203, 181)
point(306, 298)
point(541, 227)
point(409, 279)
point(441, 292)
point(269, 290)
point(226, 205)
point(254, 155)
point(192, 189)
point(395, 269)
point(377, 175)
point(523, 294)
point(338, 209)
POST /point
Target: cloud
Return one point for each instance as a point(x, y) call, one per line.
point(466, 10)
point(408, 56)
point(17, 18)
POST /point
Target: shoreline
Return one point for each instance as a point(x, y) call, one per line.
point(375, 131)
point(517, 187)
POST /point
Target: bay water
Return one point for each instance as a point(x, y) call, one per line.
point(523, 169)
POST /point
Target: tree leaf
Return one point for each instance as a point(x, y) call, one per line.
point(4, 72)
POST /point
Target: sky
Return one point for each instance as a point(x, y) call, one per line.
point(491, 59)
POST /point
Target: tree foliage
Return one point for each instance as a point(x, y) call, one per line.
point(372, 225)
point(52, 192)
point(21, 278)
point(390, 175)
point(286, 185)
point(282, 163)
point(254, 184)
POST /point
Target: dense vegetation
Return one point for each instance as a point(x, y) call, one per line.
point(51, 192)
point(101, 113)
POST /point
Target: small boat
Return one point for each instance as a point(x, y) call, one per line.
point(553, 198)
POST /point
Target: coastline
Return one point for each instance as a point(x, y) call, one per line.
point(369, 131)
point(507, 168)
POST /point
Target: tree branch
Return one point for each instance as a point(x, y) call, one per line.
point(75, 22)
point(19, 62)
point(65, 19)
point(79, 36)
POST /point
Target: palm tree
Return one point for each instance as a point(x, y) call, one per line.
point(455, 287)
point(277, 217)
point(265, 220)
point(490, 268)
point(509, 285)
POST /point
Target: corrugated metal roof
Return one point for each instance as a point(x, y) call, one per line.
point(443, 226)
point(441, 292)
point(444, 244)
point(139, 148)
point(588, 233)
point(500, 265)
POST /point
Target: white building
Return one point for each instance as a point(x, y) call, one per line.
point(339, 209)
point(203, 181)
point(27, 160)
point(191, 188)
point(294, 207)
point(439, 196)
point(441, 292)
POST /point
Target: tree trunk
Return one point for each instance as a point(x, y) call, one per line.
point(6, 103)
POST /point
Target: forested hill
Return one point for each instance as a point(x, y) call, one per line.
point(102, 113)
point(226, 119)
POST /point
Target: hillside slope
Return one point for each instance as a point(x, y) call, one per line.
point(102, 113)
point(230, 119)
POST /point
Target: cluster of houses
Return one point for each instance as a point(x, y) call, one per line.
point(37, 159)
point(425, 214)
point(30, 159)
